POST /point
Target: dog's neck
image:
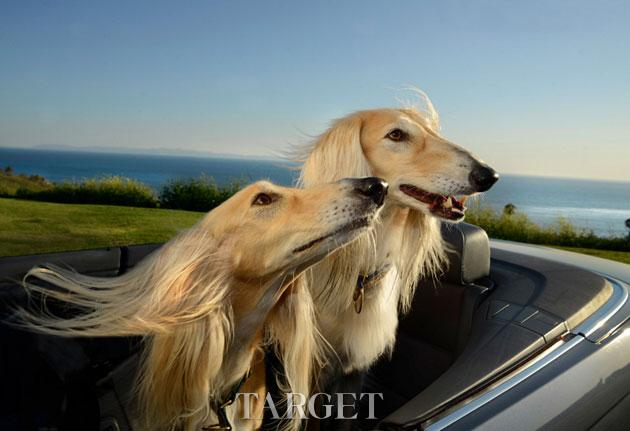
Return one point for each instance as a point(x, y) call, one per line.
point(388, 239)
point(251, 306)
point(359, 338)
point(389, 235)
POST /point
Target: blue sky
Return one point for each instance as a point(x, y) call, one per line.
point(535, 87)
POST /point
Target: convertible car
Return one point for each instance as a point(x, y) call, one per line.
point(511, 337)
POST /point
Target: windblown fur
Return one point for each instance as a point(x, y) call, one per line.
point(359, 339)
point(210, 299)
point(177, 298)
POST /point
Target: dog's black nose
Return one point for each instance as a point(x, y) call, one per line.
point(482, 177)
point(373, 187)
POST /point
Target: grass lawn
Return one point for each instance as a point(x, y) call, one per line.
point(29, 227)
point(620, 256)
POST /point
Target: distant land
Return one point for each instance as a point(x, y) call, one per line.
point(277, 156)
point(600, 205)
point(155, 151)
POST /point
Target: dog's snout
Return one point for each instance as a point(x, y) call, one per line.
point(482, 177)
point(372, 187)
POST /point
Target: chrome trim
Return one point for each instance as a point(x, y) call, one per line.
point(594, 322)
point(600, 316)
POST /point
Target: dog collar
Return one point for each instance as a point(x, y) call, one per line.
point(224, 422)
point(367, 281)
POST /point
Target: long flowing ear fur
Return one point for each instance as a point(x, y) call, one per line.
point(335, 154)
point(293, 335)
point(422, 254)
point(177, 299)
point(179, 376)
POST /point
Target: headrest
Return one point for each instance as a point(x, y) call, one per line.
point(469, 257)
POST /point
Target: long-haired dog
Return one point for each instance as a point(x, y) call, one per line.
point(359, 290)
point(209, 299)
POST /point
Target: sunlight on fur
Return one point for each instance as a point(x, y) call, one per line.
point(178, 299)
point(407, 237)
point(206, 301)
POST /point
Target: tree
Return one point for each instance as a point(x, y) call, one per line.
point(509, 209)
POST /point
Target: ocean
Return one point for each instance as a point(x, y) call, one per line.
point(602, 206)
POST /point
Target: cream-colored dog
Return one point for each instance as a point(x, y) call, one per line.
point(359, 290)
point(209, 299)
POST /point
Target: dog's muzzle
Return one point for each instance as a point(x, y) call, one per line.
point(482, 177)
point(372, 187)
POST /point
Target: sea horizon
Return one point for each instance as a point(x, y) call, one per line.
point(600, 205)
point(168, 152)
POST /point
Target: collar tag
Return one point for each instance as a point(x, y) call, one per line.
point(367, 281)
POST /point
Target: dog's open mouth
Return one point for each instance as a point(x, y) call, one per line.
point(353, 225)
point(447, 207)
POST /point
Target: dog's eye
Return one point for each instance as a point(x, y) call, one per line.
point(262, 199)
point(396, 135)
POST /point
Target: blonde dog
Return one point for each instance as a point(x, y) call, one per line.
point(209, 299)
point(359, 290)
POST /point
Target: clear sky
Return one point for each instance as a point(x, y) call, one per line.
point(533, 87)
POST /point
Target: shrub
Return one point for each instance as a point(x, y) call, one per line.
point(37, 179)
point(196, 194)
point(516, 226)
point(112, 190)
point(10, 184)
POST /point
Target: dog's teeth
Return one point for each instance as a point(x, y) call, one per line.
point(448, 203)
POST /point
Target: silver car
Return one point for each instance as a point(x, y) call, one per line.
point(512, 337)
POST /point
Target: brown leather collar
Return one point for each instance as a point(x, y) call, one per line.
point(224, 422)
point(364, 282)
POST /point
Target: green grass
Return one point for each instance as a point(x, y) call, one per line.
point(619, 256)
point(516, 226)
point(28, 227)
point(10, 184)
point(513, 225)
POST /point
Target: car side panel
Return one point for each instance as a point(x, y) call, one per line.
point(572, 393)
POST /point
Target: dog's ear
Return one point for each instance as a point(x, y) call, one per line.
point(176, 298)
point(336, 154)
point(178, 376)
point(291, 332)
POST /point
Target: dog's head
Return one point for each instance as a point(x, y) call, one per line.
point(269, 229)
point(425, 171)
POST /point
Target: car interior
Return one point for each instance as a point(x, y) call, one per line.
point(491, 311)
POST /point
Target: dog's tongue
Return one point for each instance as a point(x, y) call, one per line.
point(447, 202)
point(448, 207)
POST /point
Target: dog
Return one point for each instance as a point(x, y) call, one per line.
point(359, 290)
point(210, 299)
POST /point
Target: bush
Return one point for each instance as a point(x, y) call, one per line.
point(516, 226)
point(10, 184)
point(37, 179)
point(106, 191)
point(200, 194)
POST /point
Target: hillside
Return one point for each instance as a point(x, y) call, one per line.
point(10, 183)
